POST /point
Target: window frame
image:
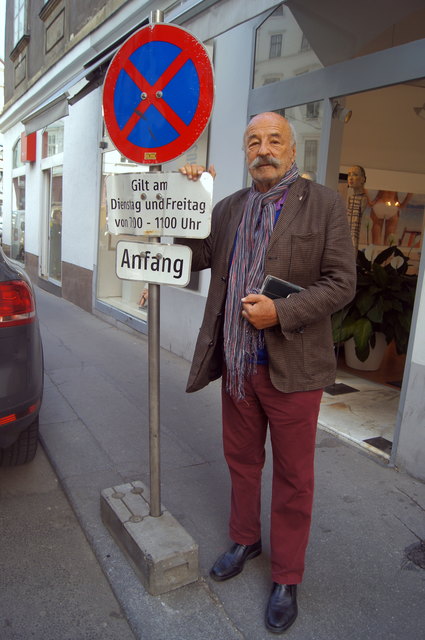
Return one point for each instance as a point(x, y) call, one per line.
point(276, 45)
point(20, 15)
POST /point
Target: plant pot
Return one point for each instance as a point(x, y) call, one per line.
point(374, 359)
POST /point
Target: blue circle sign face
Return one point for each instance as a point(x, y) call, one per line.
point(158, 94)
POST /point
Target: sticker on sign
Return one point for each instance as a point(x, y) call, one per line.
point(154, 262)
point(159, 204)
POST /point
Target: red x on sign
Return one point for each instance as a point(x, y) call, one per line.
point(158, 94)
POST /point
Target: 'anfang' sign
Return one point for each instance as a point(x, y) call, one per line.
point(154, 263)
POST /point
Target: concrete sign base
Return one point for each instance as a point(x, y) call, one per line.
point(162, 553)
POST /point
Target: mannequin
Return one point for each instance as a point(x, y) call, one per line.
point(357, 201)
point(385, 214)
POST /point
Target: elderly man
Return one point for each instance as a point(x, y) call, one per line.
point(275, 356)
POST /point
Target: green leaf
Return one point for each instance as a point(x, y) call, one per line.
point(362, 331)
point(376, 313)
point(364, 301)
point(380, 275)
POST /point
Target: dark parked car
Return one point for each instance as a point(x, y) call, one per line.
point(21, 366)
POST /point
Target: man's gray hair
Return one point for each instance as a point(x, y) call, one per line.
point(291, 128)
point(293, 132)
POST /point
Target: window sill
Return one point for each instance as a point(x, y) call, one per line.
point(20, 47)
point(48, 8)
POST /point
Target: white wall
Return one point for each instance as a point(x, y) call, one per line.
point(183, 308)
point(411, 445)
point(81, 181)
point(9, 139)
point(34, 203)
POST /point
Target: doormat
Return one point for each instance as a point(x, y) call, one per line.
point(339, 388)
point(380, 443)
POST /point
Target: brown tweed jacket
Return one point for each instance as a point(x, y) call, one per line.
point(310, 246)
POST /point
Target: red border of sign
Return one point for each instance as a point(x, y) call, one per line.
point(199, 56)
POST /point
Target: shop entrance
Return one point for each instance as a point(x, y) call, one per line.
point(385, 137)
point(52, 166)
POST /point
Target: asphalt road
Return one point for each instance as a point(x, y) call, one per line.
point(51, 585)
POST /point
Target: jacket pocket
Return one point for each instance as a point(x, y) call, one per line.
point(306, 251)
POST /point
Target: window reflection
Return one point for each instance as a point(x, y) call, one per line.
point(281, 49)
point(307, 121)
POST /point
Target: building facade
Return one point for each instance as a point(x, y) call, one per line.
point(313, 66)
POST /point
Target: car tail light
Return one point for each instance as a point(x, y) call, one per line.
point(12, 417)
point(16, 303)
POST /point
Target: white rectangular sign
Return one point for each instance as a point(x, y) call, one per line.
point(159, 204)
point(154, 262)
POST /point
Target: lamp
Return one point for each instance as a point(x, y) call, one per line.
point(420, 111)
point(341, 113)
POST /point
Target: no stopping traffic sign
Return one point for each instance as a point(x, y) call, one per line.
point(158, 94)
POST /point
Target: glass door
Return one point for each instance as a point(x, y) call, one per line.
point(53, 181)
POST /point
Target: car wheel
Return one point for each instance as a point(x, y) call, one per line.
point(23, 449)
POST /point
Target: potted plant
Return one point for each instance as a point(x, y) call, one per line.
point(383, 303)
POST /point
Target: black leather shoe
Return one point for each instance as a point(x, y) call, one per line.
point(231, 563)
point(282, 607)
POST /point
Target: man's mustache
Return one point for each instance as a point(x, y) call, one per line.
point(259, 161)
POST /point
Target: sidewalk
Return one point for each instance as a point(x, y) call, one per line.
point(358, 584)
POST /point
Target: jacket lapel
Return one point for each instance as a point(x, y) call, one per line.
point(294, 201)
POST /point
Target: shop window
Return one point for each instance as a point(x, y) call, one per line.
point(17, 247)
point(278, 53)
point(126, 296)
point(52, 166)
point(17, 155)
point(54, 186)
point(315, 36)
point(53, 139)
point(1, 174)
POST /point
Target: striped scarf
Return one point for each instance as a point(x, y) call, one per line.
point(241, 340)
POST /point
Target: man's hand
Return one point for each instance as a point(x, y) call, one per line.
point(194, 171)
point(260, 311)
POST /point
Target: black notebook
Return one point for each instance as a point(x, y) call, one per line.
point(276, 288)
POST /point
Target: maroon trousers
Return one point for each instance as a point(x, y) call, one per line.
point(292, 419)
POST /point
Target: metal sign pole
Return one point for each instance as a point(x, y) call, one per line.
point(154, 383)
point(154, 398)
point(154, 136)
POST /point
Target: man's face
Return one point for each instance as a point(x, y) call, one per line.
point(269, 149)
point(355, 178)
